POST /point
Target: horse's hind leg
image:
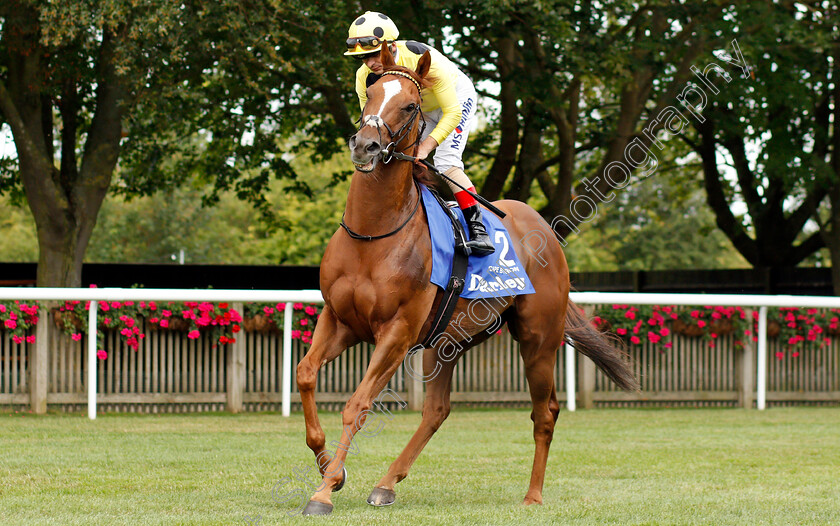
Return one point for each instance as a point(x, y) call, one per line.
point(435, 410)
point(539, 352)
point(331, 338)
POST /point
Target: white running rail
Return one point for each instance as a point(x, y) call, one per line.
point(95, 295)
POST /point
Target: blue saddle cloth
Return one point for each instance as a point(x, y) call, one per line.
point(494, 275)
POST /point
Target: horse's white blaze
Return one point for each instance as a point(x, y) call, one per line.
point(392, 87)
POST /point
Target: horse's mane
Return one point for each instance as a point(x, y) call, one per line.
point(422, 176)
point(420, 173)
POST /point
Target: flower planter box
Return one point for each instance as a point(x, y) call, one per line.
point(722, 327)
point(66, 319)
point(685, 329)
point(260, 323)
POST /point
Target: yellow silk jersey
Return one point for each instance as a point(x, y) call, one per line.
point(440, 95)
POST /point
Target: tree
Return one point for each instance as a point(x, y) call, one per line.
point(143, 98)
point(16, 232)
point(775, 133)
point(576, 81)
point(172, 91)
point(153, 229)
point(658, 223)
point(598, 82)
point(783, 116)
point(61, 199)
point(829, 217)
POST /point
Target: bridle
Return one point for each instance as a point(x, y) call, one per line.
point(405, 129)
point(389, 152)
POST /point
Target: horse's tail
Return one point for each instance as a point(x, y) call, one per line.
point(597, 347)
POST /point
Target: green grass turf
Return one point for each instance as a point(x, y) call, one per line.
point(608, 466)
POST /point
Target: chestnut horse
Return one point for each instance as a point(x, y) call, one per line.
point(377, 290)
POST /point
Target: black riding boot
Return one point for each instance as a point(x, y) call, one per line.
point(479, 242)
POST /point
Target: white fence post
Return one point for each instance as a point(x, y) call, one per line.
point(570, 377)
point(287, 360)
point(235, 386)
point(745, 366)
point(761, 376)
point(92, 360)
point(39, 365)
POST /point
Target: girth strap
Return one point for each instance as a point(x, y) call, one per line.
point(456, 281)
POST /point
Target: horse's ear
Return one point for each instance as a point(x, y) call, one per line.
point(424, 65)
point(386, 57)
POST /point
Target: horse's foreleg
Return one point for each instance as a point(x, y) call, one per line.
point(435, 410)
point(384, 362)
point(331, 338)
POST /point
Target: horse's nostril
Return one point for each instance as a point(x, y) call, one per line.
point(374, 147)
point(352, 142)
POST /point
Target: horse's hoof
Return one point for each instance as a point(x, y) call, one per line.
point(343, 480)
point(313, 507)
point(381, 497)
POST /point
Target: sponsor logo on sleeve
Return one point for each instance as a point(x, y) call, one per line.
point(466, 109)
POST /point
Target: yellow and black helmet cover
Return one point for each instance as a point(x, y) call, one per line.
point(368, 32)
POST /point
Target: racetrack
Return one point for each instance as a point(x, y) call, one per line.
point(608, 466)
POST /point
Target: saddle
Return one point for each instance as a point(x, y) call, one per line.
point(457, 278)
point(461, 273)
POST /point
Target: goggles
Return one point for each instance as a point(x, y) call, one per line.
point(363, 44)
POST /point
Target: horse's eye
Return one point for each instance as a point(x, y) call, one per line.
point(410, 107)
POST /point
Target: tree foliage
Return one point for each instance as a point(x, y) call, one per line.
point(576, 80)
point(658, 223)
point(768, 141)
point(193, 90)
point(154, 229)
point(134, 97)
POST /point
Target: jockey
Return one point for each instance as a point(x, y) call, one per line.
point(448, 106)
